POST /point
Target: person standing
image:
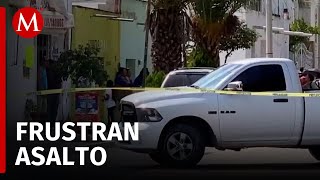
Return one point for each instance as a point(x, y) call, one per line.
point(139, 80)
point(54, 82)
point(42, 75)
point(109, 102)
point(43, 83)
point(122, 79)
point(129, 77)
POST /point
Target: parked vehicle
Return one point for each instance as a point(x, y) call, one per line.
point(185, 76)
point(176, 126)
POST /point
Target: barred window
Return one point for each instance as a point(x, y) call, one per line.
point(94, 43)
point(255, 5)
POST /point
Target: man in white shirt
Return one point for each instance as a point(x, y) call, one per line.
point(109, 102)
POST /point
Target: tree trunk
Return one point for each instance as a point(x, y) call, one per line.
point(167, 39)
point(226, 57)
point(216, 60)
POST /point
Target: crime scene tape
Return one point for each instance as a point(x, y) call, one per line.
point(226, 92)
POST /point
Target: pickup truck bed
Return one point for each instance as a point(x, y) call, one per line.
point(176, 126)
point(311, 125)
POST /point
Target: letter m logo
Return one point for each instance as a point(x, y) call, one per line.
point(28, 22)
point(22, 21)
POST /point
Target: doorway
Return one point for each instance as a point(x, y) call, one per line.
point(43, 52)
point(131, 64)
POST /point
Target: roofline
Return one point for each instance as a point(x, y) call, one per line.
point(256, 60)
point(186, 71)
point(97, 9)
point(181, 71)
point(197, 68)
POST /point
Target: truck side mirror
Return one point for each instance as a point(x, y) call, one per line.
point(235, 86)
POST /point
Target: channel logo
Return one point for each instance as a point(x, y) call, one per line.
point(27, 23)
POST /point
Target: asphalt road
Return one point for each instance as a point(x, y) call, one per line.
point(124, 164)
point(250, 161)
point(215, 157)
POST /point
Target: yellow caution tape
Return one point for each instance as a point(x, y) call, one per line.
point(73, 90)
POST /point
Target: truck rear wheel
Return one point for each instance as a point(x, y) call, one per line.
point(315, 152)
point(182, 146)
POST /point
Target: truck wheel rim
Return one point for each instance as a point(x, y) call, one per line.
point(179, 146)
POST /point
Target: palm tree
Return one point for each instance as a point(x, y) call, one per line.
point(212, 21)
point(167, 27)
point(209, 21)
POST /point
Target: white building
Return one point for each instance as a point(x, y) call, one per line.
point(308, 10)
point(133, 37)
point(302, 10)
point(314, 21)
point(22, 77)
point(256, 16)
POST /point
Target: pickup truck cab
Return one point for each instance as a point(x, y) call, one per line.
point(175, 127)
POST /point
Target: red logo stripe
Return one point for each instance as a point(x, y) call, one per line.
point(2, 90)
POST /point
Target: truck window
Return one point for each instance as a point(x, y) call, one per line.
point(263, 78)
point(183, 79)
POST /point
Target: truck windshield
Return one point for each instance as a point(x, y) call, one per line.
point(213, 79)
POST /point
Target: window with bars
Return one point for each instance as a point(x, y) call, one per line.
point(94, 43)
point(276, 7)
point(101, 44)
point(255, 5)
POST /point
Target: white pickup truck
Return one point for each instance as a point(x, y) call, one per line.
point(175, 127)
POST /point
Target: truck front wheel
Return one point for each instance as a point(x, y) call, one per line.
point(315, 152)
point(182, 145)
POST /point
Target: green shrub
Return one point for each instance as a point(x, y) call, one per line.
point(155, 79)
point(83, 65)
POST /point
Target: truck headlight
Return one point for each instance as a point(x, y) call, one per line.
point(149, 115)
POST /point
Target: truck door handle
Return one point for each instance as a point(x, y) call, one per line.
point(280, 100)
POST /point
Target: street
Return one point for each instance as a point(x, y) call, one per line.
point(257, 161)
point(214, 158)
point(125, 164)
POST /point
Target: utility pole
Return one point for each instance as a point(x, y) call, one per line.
point(269, 48)
point(315, 10)
point(184, 41)
point(146, 44)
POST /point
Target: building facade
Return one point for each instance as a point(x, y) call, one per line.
point(308, 56)
point(255, 16)
point(103, 32)
point(314, 21)
point(132, 14)
point(24, 56)
point(133, 37)
point(302, 10)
